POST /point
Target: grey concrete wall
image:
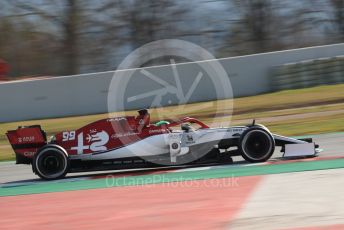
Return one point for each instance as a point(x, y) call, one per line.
point(88, 93)
point(308, 73)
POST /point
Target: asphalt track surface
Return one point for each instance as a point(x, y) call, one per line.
point(271, 195)
point(332, 144)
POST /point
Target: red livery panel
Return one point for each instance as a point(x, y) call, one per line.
point(107, 134)
point(26, 141)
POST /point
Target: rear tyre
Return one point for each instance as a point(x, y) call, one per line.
point(51, 162)
point(256, 144)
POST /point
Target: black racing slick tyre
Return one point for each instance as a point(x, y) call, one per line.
point(256, 144)
point(51, 162)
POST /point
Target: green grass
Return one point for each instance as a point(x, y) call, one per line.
point(289, 102)
point(316, 125)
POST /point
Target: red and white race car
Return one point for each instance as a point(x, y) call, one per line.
point(133, 142)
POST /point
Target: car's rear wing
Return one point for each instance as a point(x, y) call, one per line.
point(25, 141)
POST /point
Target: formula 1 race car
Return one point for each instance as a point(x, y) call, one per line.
point(133, 142)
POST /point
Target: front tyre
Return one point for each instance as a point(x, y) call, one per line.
point(256, 144)
point(51, 162)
